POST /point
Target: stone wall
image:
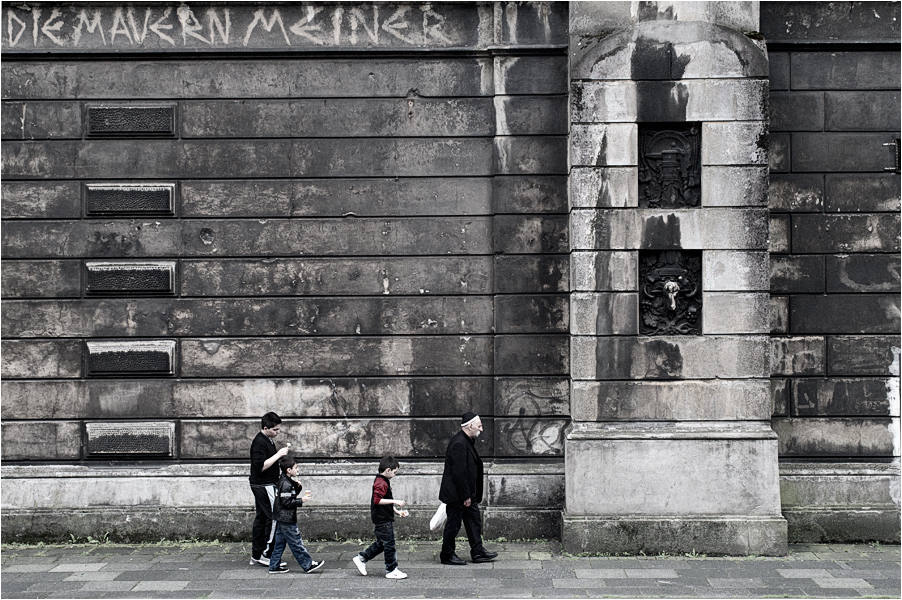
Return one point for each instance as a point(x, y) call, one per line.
point(834, 202)
point(353, 215)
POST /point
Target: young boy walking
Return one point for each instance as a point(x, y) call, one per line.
point(285, 516)
point(383, 508)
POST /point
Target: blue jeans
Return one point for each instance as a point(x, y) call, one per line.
point(385, 542)
point(289, 534)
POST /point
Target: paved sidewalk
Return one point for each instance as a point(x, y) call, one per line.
point(523, 570)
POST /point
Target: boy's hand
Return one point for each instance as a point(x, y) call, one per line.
point(400, 503)
point(282, 452)
point(306, 496)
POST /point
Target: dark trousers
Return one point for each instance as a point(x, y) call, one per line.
point(385, 542)
point(263, 529)
point(472, 522)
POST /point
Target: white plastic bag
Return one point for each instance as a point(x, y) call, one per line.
point(439, 518)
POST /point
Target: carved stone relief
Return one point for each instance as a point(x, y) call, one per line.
point(669, 166)
point(671, 292)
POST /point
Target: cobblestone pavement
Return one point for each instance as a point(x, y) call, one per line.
point(523, 570)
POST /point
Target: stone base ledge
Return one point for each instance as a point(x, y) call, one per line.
point(715, 535)
point(843, 524)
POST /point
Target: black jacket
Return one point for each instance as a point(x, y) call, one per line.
point(463, 474)
point(285, 508)
point(381, 513)
point(262, 448)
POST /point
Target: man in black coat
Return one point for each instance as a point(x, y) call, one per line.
point(461, 491)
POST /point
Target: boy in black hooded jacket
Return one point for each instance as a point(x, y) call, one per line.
point(285, 517)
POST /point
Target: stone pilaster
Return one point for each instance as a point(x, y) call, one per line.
point(670, 447)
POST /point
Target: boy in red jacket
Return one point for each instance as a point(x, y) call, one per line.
point(383, 508)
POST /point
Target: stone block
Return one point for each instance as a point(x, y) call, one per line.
point(91, 239)
point(604, 102)
point(863, 273)
point(781, 396)
point(845, 233)
point(518, 75)
point(734, 186)
point(526, 194)
point(671, 357)
point(129, 439)
point(131, 358)
point(531, 354)
point(262, 78)
point(834, 397)
point(797, 111)
point(813, 437)
point(615, 187)
point(801, 274)
point(688, 229)
point(529, 273)
point(862, 111)
point(873, 21)
point(796, 193)
point(526, 234)
point(44, 359)
point(863, 355)
point(779, 228)
point(527, 436)
point(94, 399)
point(336, 357)
point(610, 145)
point(527, 24)
point(531, 396)
point(41, 199)
point(130, 120)
point(697, 100)
point(345, 117)
point(779, 70)
point(59, 440)
point(539, 490)
point(845, 70)
point(845, 313)
point(739, 143)
point(604, 271)
point(780, 152)
point(123, 199)
point(779, 314)
point(41, 279)
point(722, 400)
point(679, 477)
point(530, 155)
point(109, 278)
point(337, 197)
point(831, 152)
point(729, 271)
point(733, 312)
point(604, 313)
point(797, 356)
point(633, 535)
point(530, 115)
point(545, 313)
point(41, 120)
point(862, 193)
point(324, 276)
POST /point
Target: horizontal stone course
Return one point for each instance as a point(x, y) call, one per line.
point(41, 120)
point(844, 313)
point(845, 70)
point(845, 397)
point(529, 234)
point(60, 440)
point(862, 111)
point(803, 21)
point(735, 312)
point(796, 193)
point(41, 199)
point(525, 193)
point(798, 356)
point(863, 273)
point(797, 274)
point(536, 313)
point(814, 437)
point(532, 354)
point(604, 271)
point(734, 186)
point(604, 313)
point(797, 111)
point(831, 152)
point(521, 155)
point(780, 152)
point(874, 192)
point(845, 233)
point(734, 143)
point(863, 355)
point(41, 359)
point(41, 279)
point(531, 273)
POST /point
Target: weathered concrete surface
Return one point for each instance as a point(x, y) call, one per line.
point(604, 314)
point(734, 186)
point(44, 359)
point(787, 21)
point(604, 271)
point(735, 312)
point(858, 397)
point(863, 355)
point(41, 120)
point(604, 187)
point(41, 278)
point(845, 313)
point(727, 271)
point(814, 437)
point(37, 200)
point(803, 355)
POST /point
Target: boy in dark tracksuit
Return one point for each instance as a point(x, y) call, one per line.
point(285, 517)
point(383, 507)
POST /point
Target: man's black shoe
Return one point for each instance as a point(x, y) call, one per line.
point(453, 560)
point(485, 556)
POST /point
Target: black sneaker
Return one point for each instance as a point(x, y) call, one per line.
point(314, 566)
point(279, 570)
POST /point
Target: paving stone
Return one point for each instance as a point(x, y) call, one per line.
point(78, 567)
point(736, 583)
point(93, 576)
point(107, 586)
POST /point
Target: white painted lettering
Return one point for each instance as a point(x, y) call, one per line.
point(139, 36)
point(276, 17)
point(434, 30)
point(119, 27)
point(10, 15)
point(190, 25)
point(395, 23)
point(35, 17)
point(336, 25)
point(213, 19)
point(91, 26)
point(357, 18)
point(305, 28)
point(158, 25)
point(50, 28)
